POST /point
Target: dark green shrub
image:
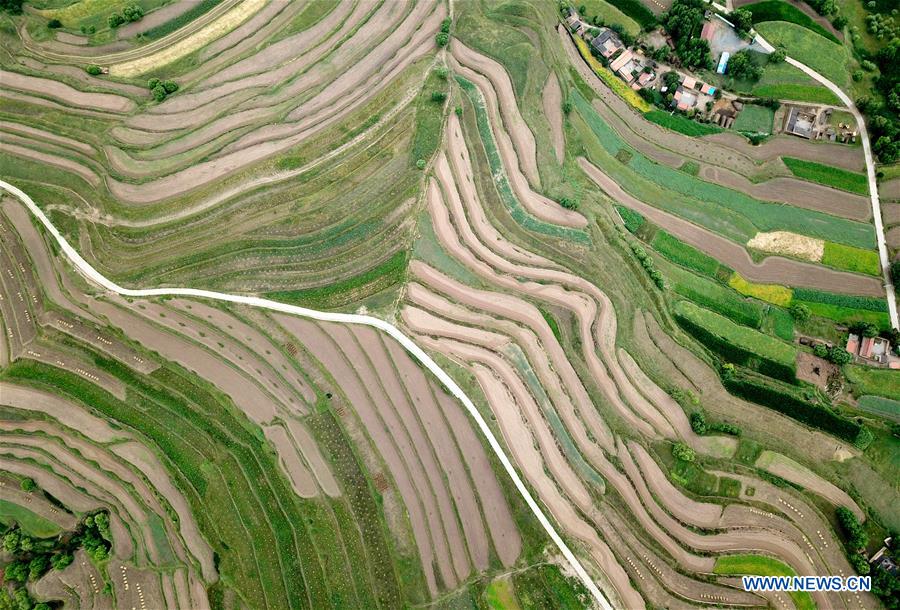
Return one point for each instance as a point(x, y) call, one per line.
point(93, 69)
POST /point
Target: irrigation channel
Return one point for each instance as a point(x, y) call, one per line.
point(85, 268)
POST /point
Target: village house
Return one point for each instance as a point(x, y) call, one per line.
point(607, 43)
point(873, 349)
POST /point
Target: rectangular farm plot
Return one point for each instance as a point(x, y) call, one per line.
point(851, 259)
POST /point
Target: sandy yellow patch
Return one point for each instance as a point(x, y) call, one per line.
point(789, 244)
point(198, 40)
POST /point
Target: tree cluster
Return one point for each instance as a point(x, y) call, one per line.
point(132, 12)
point(13, 7)
point(701, 427)
point(742, 20)
point(683, 22)
point(742, 66)
point(160, 89)
point(647, 263)
point(837, 355)
point(683, 452)
point(443, 37)
point(884, 117)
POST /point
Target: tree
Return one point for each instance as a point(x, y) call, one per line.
point(777, 56)
point(61, 560)
point(115, 20)
point(170, 86)
point(420, 164)
point(742, 19)
point(568, 203)
point(820, 350)
point(800, 312)
point(458, 111)
point(895, 272)
point(698, 423)
point(442, 39)
point(93, 69)
point(839, 356)
point(438, 97)
point(742, 66)
point(13, 7)
point(37, 566)
point(857, 539)
point(839, 22)
point(683, 452)
point(17, 570)
point(54, 24)
point(133, 12)
point(445, 25)
point(442, 72)
point(28, 484)
point(159, 93)
point(567, 107)
point(152, 83)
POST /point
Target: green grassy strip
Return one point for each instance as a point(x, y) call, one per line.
point(351, 290)
point(552, 323)
point(804, 93)
point(755, 119)
point(820, 54)
point(853, 182)
point(31, 523)
point(684, 254)
point(780, 323)
point(738, 344)
point(429, 120)
point(758, 565)
point(811, 295)
point(720, 209)
point(776, 10)
point(519, 214)
point(680, 123)
point(200, 8)
point(851, 259)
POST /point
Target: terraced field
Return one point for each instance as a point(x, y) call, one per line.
point(446, 177)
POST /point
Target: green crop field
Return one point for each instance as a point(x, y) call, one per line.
point(760, 565)
point(685, 255)
point(853, 182)
point(879, 405)
point(680, 123)
point(610, 14)
point(777, 10)
point(874, 381)
point(755, 119)
point(713, 295)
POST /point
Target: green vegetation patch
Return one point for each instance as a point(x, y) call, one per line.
point(545, 586)
point(758, 565)
point(738, 344)
point(846, 315)
point(429, 119)
point(875, 381)
point(633, 220)
point(681, 124)
point(609, 15)
point(519, 214)
point(31, 523)
point(684, 254)
point(851, 259)
point(776, 10)
point(198, 9)
point(755, 119)
point(351, 290)
point(552, 323)
point(500, 594)
point(853, 182)
point(819, 53)
point(800, 93)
